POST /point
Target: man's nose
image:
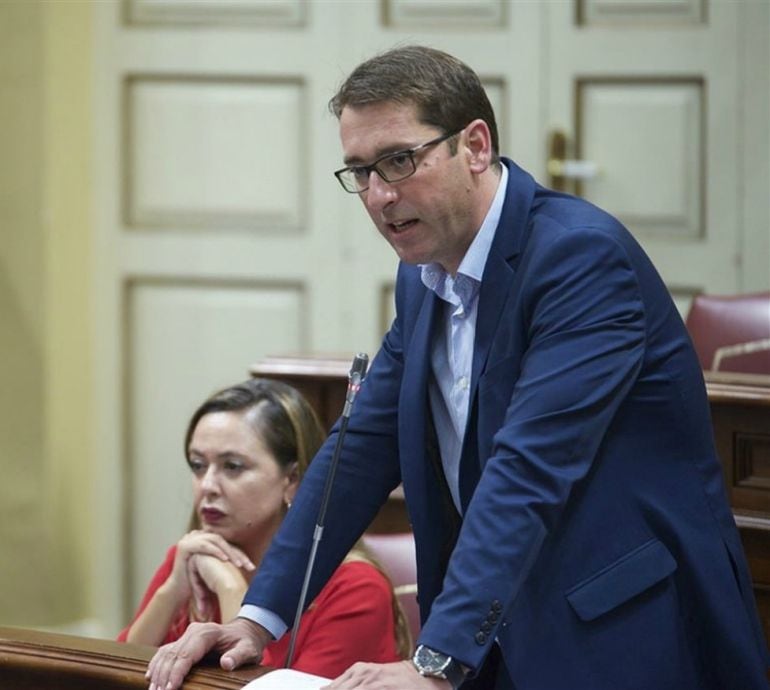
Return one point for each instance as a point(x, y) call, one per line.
point(380, 192)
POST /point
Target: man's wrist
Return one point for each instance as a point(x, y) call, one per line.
point(264, 617)
point(256, 630)
point(435, 664)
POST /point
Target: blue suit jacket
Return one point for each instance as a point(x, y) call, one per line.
point(597, 545)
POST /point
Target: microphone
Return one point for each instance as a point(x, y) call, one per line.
point(355, 379)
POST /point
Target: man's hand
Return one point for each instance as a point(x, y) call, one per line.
point(401, 675)
point(241, 641)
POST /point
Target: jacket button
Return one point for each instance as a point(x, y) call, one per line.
point(486, 626)
point(480, 638)
point(492, 617)
point(497, 606)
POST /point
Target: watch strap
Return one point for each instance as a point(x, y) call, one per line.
point(454, 674)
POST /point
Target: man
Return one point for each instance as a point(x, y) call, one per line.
point(539, 398)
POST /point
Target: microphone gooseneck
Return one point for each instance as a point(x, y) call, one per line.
point(355, 379)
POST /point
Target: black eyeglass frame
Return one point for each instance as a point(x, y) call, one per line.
point(373, 167)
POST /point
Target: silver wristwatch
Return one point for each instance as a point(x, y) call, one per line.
point(429, 662)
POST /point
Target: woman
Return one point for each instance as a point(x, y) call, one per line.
point(247, 447)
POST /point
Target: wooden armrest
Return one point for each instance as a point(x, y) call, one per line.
point(33, 660)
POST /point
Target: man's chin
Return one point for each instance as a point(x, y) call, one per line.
point(410, 255)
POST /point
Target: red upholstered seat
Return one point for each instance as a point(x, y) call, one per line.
point(395, 552)
point(732, 333)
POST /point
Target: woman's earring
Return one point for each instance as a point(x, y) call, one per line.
point(288, 504)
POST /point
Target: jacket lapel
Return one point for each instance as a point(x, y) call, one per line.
point(500, 268)
point(495, 291)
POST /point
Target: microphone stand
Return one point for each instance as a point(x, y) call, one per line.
point(355, 379)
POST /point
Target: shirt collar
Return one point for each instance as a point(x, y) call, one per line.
point(466, 282)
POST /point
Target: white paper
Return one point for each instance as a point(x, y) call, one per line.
point(287, 679)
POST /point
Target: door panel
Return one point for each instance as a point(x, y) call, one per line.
point(654, 183)
point(187, 339)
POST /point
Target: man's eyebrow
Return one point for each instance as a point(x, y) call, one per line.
point(386, 151)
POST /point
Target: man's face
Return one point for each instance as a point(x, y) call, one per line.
point(430, 216)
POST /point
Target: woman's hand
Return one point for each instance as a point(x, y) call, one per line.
point(200, 543)
point(152, 624)
point(207, 575)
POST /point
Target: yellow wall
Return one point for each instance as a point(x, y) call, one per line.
point(45, 391)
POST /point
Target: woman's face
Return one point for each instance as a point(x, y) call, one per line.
point(239, 489)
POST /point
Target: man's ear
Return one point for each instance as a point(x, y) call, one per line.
point(478, 141)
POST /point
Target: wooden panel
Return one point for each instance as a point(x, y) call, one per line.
point(32, 660)
point(641, 12)
point(756, 544)
point(646, 136)
point(752, 460)
point(216, 12)
point(187, 340)
point(740, 410)
point(204, 152)
point(444, 14)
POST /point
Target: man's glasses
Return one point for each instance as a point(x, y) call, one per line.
point(392, 167)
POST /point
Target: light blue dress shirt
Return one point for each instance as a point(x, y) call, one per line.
point(451, 359)
point(452, 349)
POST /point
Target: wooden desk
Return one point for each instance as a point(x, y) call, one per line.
point(740, 411)
point(32, 660)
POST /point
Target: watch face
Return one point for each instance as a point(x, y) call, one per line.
point(430, 662)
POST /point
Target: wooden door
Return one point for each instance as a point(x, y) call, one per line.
point(649, 96)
